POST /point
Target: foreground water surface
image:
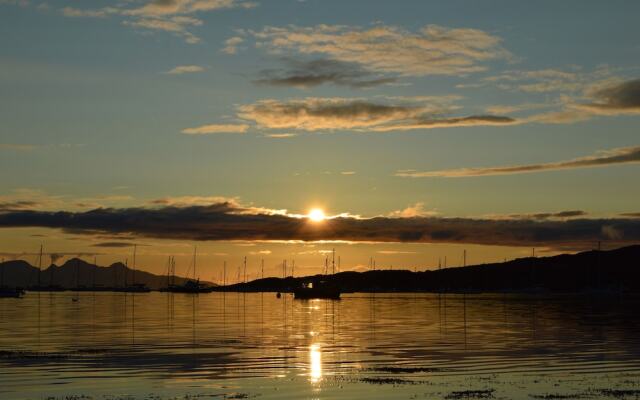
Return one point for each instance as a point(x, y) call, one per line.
point(253, 345)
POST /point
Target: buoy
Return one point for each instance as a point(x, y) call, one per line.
point(278, 295)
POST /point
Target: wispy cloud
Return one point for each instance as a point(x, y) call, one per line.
point(614, 99)
point(567, 214)
point(185, 69)
point(174, 16)
point(229, 222)
point(114, 245)
point(305, 74)
point(35, 199)
point(432, 50)
point(280, 135)
point(394, 252)
point(16, 147)
point(89, 13)
point(624, 155)
point(314, 114)
point(231, 44)
point(216, 128)
point(412, 211)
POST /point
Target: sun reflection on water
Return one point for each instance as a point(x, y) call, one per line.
point(315, 363)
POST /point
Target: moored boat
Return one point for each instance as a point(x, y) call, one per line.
point(316, 290)
point(6, 291)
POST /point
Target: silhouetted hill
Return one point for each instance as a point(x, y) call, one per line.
point(592, 270)
point(79, 273)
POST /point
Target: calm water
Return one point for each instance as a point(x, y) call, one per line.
point(160, 345)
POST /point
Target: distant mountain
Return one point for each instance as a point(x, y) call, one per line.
point(613, 270)
point(79, 273)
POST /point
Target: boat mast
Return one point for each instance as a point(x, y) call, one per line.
point(245, 269)
point(39, 265)
point(224, 273)
point(52, 266)
point(195, 249)
point(95, 266)
point(2, 274)
point(333, 261)
point(134, 264)
point(262, 267)
point(169, 272)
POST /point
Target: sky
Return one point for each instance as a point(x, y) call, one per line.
point(421, 129)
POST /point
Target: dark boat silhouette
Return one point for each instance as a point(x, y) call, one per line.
point(316, 290)
point(6, 291)
point(135, 288)
point(190, 286)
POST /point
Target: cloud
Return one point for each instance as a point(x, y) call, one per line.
point(172, 16)
point(305, 74)
point(185, 69)
point(187, 201)
point(281, 135)
point(113, 244)
point(216, 128)
point(80, 13)
point(31, 199)
point(631, 215)
point(313, 114)
point(515, 108)
point(16, 147)
point(415, 210)
point(260, 253)
point(546, 215)
point(231, 44)
point(19, 205)
point(21, 3)
point(433, 50)
point(541, 81)
point(171, 7)
point(348, 173)
point(229, 222)
point(609, 97)
point(177, 25)
point(624, 155)
point(618, 98)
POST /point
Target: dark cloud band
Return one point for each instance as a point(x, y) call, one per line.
point(223, 222)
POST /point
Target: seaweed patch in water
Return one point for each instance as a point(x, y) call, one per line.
point(619, 393)
point(471, 394)
point(405, 370)
point(387, 381)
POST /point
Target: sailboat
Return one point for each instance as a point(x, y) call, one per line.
point(40, 286)
point(191, 285)
point(134, 287)
point(319, 289)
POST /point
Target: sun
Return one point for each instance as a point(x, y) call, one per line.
point(316, 215)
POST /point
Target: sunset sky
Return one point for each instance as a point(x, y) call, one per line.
point(419, 128)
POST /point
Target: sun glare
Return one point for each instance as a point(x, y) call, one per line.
point(316, 215)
